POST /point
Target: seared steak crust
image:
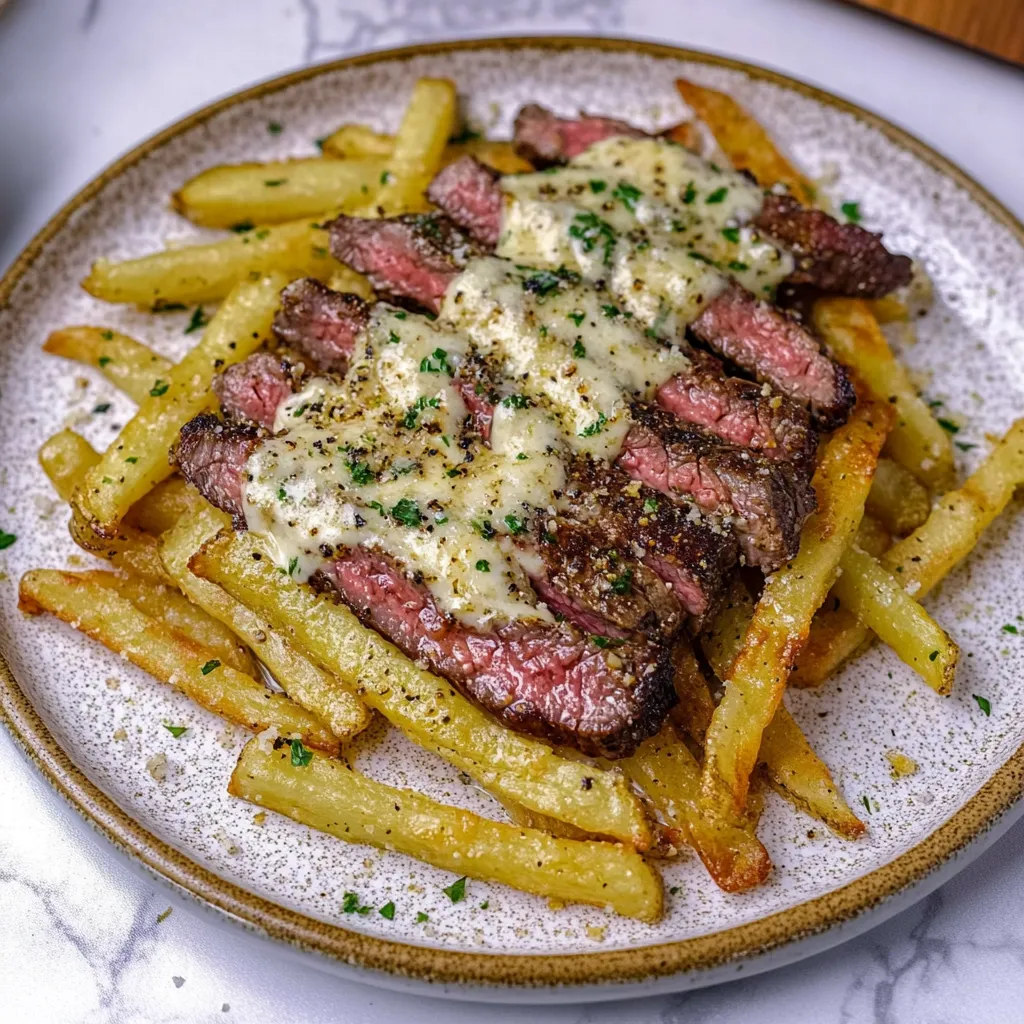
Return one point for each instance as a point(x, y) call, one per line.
point(467, 190)
point(545, 139)
point(320, 323)
point(841, 259)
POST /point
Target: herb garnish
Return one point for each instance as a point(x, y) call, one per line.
point(483, 527)
point(101, 407)
point(406, 512)
point(388, 911)
point(103, 361)
point(627, 194)
point(515, 401)
point(596, 185)
point(579, 350)
point(274, 127)
point(650, 505)
point(210, 666)
point(242, 226)
point(738, 265)
point(197, 321)
point(851, 211)
point(718, 195)
point(606, 641)
point(731, 234)
point(516, 526)
point(611, 311)
point(544, 282)
point(948, 425)
point(293, 564)
point(623, 584)
point(177, 731)
point(426, 366)
point(393, 339)
point(159, 388)
point(300, 755)
point(466, 135)
point(591, 230)
point(575, 316)
point(6, 539)
point(350, 903)
point(483, 565)
point(417, 407)
point(421, 916)
point(1008, 628)
point(984, 703)
point(596, 427)
point(457, 890)
point(361, 473)
point(274, 182)
point(106, 336)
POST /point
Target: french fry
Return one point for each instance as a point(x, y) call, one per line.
point(424, 707)
point(137, 460)
point(127, 548)
point(872, 536)
point(356, 140)
point(878, 601)
point(303, 681)
point(897, 499)
point(923, 559)
point(116, 623)
point(917, 442)
point(794, 770)
point(166, 604)
point(271, 193)
point(333, 797)
point(66, 458)
point(670, 776)
point(125, 362)
point(746, 144)
point(888, 309)
point(696, 706)
point(168, 502)
point(783, 615)
point(207, 273)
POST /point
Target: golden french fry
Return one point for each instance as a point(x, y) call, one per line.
point(897, 499)
point(65, 458)
point(125, 362)
point(357, 140)
point(127, 548)
point(783, 615)
point(116, 623)
point(880, 602)
point(424, 707)
point(303, 681)
point(696, 706)
point(168, 502)
point(888, 309)
point(923, 559)
point(207, 273)
point(335, 798)
point(872, 536)
point(746, 144)
point(138, 458)
point(917, 442)
point(271, 193)
point(165, 603)
point(670, 777)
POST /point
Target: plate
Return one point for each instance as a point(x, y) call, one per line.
point(92, 722)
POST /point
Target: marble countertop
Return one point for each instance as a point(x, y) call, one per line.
point(84, 937)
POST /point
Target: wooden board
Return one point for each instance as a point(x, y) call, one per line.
point(995, 26)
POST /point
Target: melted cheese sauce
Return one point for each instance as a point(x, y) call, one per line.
point(662, 228)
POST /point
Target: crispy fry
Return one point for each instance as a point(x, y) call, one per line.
point(880, 602)
point(207, 273)
point(917, 442)
point(424, 707)
point(357, 140)
point(271, 193)
point(794, 770)
point(872, 536)
point(138, 458)
point(746, 144)
point(670, 777)
point(782, 619)
point(923, 559)
point(65, 458)
point(333, 797)
point(165, 603)
point(897, 499)
point(696, 706)
point(152, 645)
point(303, 681)
point(128, 548)
point(125, 362)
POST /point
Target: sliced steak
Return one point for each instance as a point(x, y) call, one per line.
point(777, 350)
point(251, 391)
point(738, 411)
point(468, 192)
point(320, 323)
point(545, 139)
point(769, 500)
point(842, 259)
point(212, 457)
point(547, 681)
point(413, 257)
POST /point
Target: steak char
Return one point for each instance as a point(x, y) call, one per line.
point(545, 139)
point(252, 390)
point(320, 323)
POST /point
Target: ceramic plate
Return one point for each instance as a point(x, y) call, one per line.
point(92, 721)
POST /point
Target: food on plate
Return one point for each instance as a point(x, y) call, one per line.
point(562, 455)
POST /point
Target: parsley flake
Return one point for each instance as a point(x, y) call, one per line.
point(388, 911)
point(851, 211)
point(596, 427)
point(650, 505)
point(592, 231)
point(731, 235)
point(275, 127)
point(576, 317)
point(627, 194)
point(406, 512)
point(393, 339)
point(483, 565)
point(300, 755)
point(579, 350)
point(350, 903)
point(718, 195)
point(177, 731)
point(690, 193)
point(948, 425)
point(515, 401)
point(597, 186)
point(361, 473)
point(274, 182)
point(605, 642)
point(516, 526)
point(457, 890)
point(103, 361)
point(159, 388)
point(197, 321)
point(421, 917)
point(210, 666)
point(6, 539)
point(984, 703)
point(611, 311)
point(623, 584)
point(101, 407)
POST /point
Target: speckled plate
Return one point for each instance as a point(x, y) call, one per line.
point(92, 721)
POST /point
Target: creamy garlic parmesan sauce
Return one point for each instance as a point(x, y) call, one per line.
point(662, 228)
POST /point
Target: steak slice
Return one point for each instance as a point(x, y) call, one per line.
point(545, 139)
point(546, 680)
point(468, 192)
point(320, 323)
point(738, 411)
point(411, 257)
point(252, 390)
point(212, 457)
point(842, 259)
point(777, 350)
point(769, 500)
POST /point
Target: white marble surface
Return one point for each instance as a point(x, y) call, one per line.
point(83, 937)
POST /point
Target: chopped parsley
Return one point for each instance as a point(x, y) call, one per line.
point(282, 494)
point(592, 231)
point(947, 425)
point(611, 311)
point(543, 282)
point(484, 528)
point(485, 904)
point(596, 427)
point(984, 703)
point(101, 407)
point(421, 916)
point(623, 584)
point(103, 361)
point(132, 459)
point(274, 182)
point(597, 186)
point(197, 321)
point(851, 211)
point(579, 350)
point(350, 902)
point(522, 457)
point(417, 407)
point(361, 473)
point(427, 366)
point(393, 339)
point(515, 401)
point(718, 195)
point(406, 512)
point(483, 565)
point(627, 194)
point(6, 539)
point(731, 234)
point(466, 135)
point(867, 803)
point(964, 446)
point(388, 911)
point(457, 890)
point(1008, 628)
point(159, 388)
point(242, 226)
point(575, 316)
point(293, 564)
point(298, 412)
point(737, 265)
point(690, 193)
point(275, 127)
point(177, 731)
point(300, 755)
point(106, 336)
point(516, 526)
point(605, 642)
point(700, 257)
point(933, 655)
point(401, 314)
point(650, 505)
point(385, 177)
point(212, 664)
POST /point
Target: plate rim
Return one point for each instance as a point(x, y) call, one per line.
point(635, 964)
